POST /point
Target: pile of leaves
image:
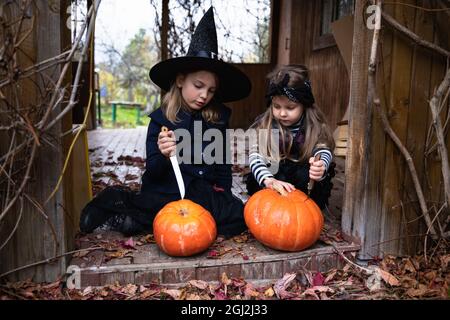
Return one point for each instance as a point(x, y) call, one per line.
point(393, 278)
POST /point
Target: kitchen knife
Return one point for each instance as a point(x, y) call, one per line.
point(176, 169)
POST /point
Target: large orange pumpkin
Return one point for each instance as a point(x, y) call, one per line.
point(184, 228)
point(289, 222)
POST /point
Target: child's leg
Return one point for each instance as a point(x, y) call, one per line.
point(251, 184)
point(227, 210)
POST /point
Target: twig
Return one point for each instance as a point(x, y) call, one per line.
point(418, 7)
point(349, 261)
point(15, 226)
point(72, 102)
point(12, 293)
point(413, 36)
point(434, 102)
point(49, 260)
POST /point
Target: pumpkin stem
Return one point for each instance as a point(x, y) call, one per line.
point(280, 190)
point(183, 212)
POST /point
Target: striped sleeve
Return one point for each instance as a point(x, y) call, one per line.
point(259, 168)
point(326, 156)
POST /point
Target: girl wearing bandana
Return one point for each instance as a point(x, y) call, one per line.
point(303, 138)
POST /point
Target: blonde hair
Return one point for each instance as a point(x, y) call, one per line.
point(173, 102)
point(317, 130)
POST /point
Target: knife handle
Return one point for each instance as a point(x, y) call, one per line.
point(164, 129)
point(311, 181)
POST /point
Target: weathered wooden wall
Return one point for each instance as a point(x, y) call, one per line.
point(380, 205)
point(245, 111)
point(329, 76)
point(34, 241)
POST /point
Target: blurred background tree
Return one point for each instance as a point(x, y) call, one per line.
point(243, 36)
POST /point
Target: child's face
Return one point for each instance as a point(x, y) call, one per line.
point(197, 88)
point(286, 111)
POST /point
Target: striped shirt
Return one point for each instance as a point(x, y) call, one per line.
point(259, 164)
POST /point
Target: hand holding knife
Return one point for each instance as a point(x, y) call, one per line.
point(176, 169)
point(311, 181)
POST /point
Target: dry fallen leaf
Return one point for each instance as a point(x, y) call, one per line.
point(200, 284)
point(269, 292)
point(388, 278)
point(409, 266)
point(330, 276)
point(225, 279)
point(281, 285)
point(174, 293)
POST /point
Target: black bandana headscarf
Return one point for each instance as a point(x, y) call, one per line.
point(301, 94)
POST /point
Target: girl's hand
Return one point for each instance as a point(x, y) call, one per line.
point(276, 185)
point(167, 143)
point(316, 169)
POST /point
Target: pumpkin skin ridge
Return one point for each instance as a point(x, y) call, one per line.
point(319, 220)
point(211, 236)
point(285, 223)
point(267, 234)
point(254, 204)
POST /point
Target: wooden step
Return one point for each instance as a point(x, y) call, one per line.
point(251, 261)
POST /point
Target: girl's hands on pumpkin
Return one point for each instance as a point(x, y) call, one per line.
point(167, 143)
point(276, 185)
point(316, 169)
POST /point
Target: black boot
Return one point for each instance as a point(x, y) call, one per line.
point(124, 224)
point(92, 217)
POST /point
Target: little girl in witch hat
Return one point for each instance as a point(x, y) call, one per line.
point(197, 85)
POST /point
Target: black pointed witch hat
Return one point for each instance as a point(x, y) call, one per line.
point(203, 55)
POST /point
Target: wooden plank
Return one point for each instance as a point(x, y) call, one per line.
point(232, 271)
point(186, 274)
point(207, 274)
point(176, 263)
point(433, 175)
point(246, 110)
point(284, 32)
point(398, 108)
point(148, 277)
point(35, 240)
point(252, 270)
point(354, 211)
point(273, 270)
point(120, 278)
point(417, 129)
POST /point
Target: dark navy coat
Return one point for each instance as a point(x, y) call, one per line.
point(159, 176)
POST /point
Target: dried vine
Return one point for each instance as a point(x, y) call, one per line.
point(28, 126)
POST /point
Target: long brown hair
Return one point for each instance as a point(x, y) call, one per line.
point(173, 102)
point(317, 130)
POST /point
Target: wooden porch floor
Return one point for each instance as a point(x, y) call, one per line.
point(117, 157)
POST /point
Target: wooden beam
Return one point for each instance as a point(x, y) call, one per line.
point(164, 29)
point(353, 216)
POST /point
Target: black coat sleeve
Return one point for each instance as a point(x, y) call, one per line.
point(156, 163)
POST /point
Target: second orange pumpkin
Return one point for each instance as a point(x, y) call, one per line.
point(290, 222)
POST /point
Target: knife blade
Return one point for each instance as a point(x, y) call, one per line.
point(176, 169)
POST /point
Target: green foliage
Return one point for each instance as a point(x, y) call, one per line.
point(126, 117)
point(125, 77)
